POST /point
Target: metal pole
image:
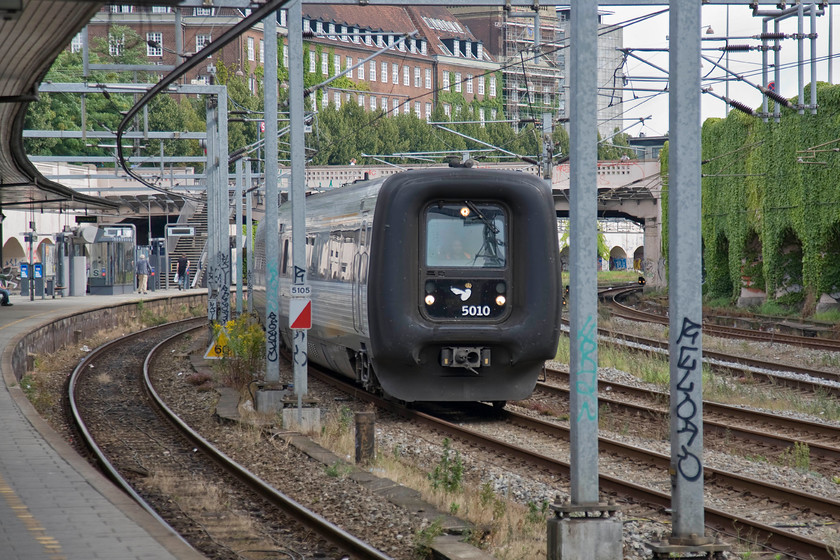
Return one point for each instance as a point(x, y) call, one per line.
point(813, 59)
point(800, 51)
point(583, 333)
point(297, 183)
point(272, 231)
point(685, 272)
point(237, 270)
point(224, 210)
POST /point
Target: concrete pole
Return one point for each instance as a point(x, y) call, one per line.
point(684, 256)
point(272, 231)
point(298, 185)
point(213, 188)
point(237, 270)
point(249, 240)
point(583, 197)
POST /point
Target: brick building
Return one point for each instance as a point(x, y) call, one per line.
point(443, 63)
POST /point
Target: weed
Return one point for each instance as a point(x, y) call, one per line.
point(244, 358)
point(537, 514)
point(449, 472)
point(424, 537)
point(453, 508)
point(339, 469)
point(798, 456)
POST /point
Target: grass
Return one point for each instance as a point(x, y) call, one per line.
point(508, 529)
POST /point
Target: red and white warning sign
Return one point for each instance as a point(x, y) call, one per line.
point(300, 313)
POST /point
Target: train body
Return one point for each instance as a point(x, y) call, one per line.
point(429, 285)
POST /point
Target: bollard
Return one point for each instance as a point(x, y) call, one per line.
point(365, 424)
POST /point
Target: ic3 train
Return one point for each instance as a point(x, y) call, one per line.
point(429, 285)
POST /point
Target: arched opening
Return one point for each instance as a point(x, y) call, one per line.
point(618, 259)
point(716, 269)
point(829, 283)
point(639, 258)
point(753, 284)
point(787, 277)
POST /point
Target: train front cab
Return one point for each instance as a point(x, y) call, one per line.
point(465, 305)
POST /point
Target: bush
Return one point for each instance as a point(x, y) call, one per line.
point(244, 357)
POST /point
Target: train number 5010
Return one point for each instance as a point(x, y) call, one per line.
point(475, 310)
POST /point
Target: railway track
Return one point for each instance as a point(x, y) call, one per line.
point(730, 486)
point(141, 443)
point(769, 435)
point(611, 297)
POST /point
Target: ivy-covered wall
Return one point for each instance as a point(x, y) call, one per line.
point(760, 181)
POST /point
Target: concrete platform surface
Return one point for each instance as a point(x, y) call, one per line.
point(53, 504)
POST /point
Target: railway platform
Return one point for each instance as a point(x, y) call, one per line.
point(53, 504)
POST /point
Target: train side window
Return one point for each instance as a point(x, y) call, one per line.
point(466, 234)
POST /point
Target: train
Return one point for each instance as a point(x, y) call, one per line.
point(438, 285)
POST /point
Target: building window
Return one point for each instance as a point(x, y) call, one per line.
point(401, 46)
point(395, 105)
point(312, 61)
point(481, 85)
point(252, 84)
point(492, 86)
point(493, 114)
point(331, 29)
point(76, 43)
point(282, 18)
point(417, 78)
point(373, 103)
point(337, 99)
point(480, 51)
point(469, 83)
point(406, 108)
point(154, 44)
point(361, 99)
point(468, 49)
point(360, 70)
point(202, 11)
point(481, 115)
point(458, 82)
point(445, 80)
point(385, 104)
point(355, 34)
point(344, 33)
point(372, 70)
point(406, 77)
point(384, 73)
point(417, 109)
point(306, 28)
point(412, 46)
point(161, 9)
point(423, 49)
point(547, 95)
point(428, 112)
point(250, 48)
point(348, 61)
point(262, 54)
point(447, 109)
point(368, 39)
point(380, 41)
point(395, 73)
point(456, 48)
point(428, 78)
point(325, 64)
point(319, 27)
point(202, 41)
point(336, 64)
point(347, 97)
point(115, 44)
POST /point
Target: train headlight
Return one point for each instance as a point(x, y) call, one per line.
point(465, 211)
point(430, 299)
point(500, 300)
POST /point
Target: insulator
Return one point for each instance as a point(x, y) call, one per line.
point(777, 98)
point(735, 48)
point(771, 36)
point(741, 107)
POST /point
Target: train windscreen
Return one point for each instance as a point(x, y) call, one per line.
point(466, 234)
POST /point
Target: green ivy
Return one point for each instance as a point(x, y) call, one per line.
point(770, 206)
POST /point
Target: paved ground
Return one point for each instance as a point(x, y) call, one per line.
point(53, 505)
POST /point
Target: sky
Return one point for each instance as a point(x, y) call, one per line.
point(653, 33)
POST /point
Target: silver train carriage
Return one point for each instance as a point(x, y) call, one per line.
point(429, 285)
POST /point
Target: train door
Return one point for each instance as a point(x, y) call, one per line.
point(360, 266)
